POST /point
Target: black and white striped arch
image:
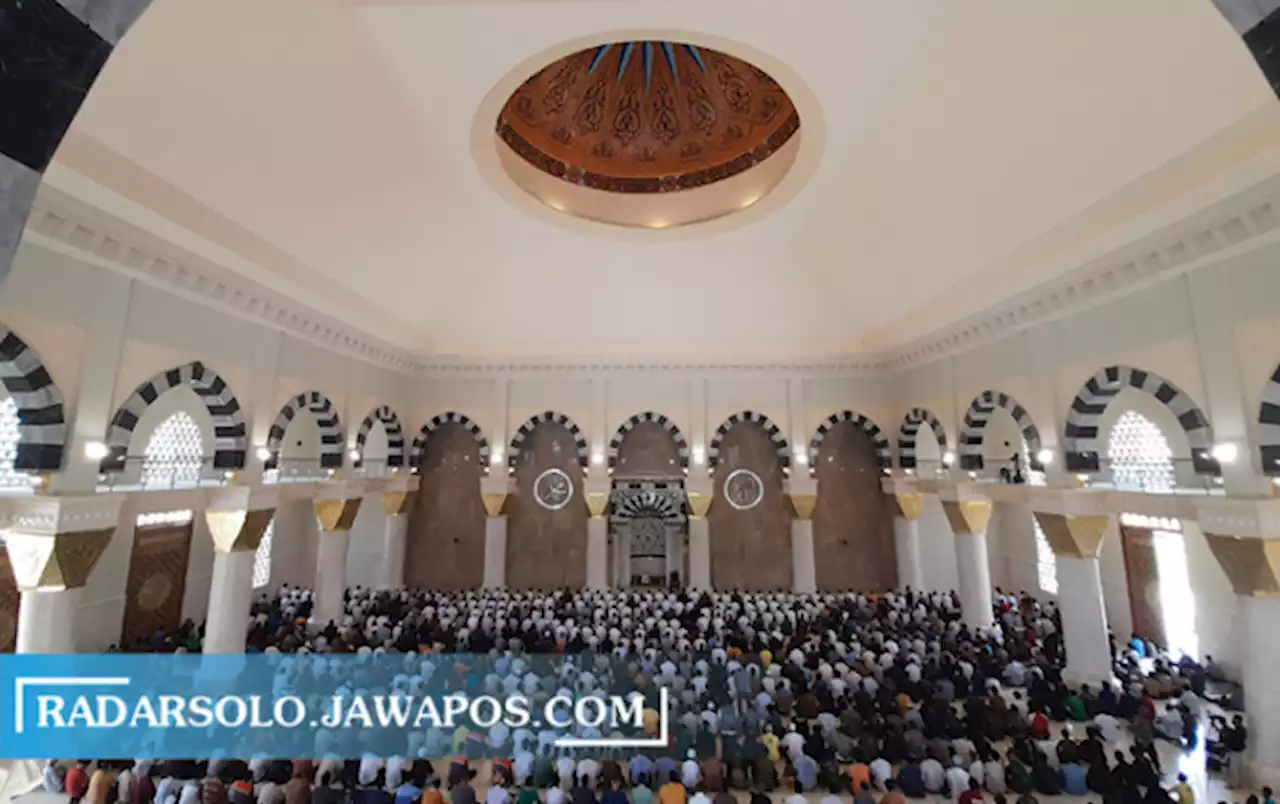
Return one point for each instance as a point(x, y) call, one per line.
point(550, 416)
point(884, 458)
point(395, 435)
point(780, 445)
point(1081, 438)
point(326, 416)
point(229, 430)
point(682, 446)
point(974, 429)
point(419, 450)
point(42, 426)
point(908, 431)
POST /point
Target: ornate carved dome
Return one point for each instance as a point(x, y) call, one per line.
point(647, 117)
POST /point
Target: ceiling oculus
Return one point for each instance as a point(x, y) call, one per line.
point(648, 118)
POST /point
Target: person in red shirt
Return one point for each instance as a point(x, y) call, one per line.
point(77, 781)
point(973, 795)
point(1039, 726)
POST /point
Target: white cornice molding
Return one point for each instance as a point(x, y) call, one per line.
point(1246, 221)
point(66, 225)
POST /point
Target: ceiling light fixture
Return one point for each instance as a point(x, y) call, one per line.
point(948, 458)
point(1225, 452)
point(1045, 456)
point(95, 450)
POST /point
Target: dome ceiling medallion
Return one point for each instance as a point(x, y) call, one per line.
point(647, 117)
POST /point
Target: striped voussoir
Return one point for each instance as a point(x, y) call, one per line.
point(648, 500)
point(1081, 440)
point(884, 458)
point(229, 430)
point(579, 440)
point(54, 50)
point(395, 435)
point(910, 428)
point(326, 415)
point(42, 427)
point(419, 450)
point(682, 446)
point(1258, 23)
point(975, 425)
point(780, 445)
point(1269, 426)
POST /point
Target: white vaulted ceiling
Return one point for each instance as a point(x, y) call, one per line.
point(969, 150)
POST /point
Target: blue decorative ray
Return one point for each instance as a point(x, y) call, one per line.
point(697, 57)
point(600, 51)
point(670, 51)
point(648, 65)
point(626, 57)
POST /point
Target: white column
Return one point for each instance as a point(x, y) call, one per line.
point(1262, 688)
point(230, 598)
point(624, 557)
point(46, 620)
point(975, 579)
point(1084, 620)
point(699, 553)
point(906, 544)
point(804, 574)
point(331, 576)
point(597, 552)
point(495, 552)
point(397, 531)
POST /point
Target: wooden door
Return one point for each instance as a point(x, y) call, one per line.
point(1143, 574)
point(157, 580)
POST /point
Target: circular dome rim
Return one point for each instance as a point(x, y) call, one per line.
point(575, 160)
point(811, 138)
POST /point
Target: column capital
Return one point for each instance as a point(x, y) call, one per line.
point(1073, 536)
point(909, 504)
point(699, 503)
point(238, 517)
point(55, 542)
point(397, 503)
point(597, 503)
point(802, 489)
point(494, 491)
point(337, 505)
point(967, 509)
point(1244, 536)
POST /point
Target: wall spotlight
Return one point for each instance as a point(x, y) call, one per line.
point(597, 458)
point(95, 450)
point(910, 472)
point(1225, 452)
point(802, 458)
point(354, 454)
point(263, 454)
point(973, 475)
point(699, 455)
point(1045, 456)
point(948, 458)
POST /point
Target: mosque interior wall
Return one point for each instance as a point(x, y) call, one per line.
point(1213, 332)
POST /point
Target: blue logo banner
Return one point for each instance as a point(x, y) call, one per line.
point(178, 706)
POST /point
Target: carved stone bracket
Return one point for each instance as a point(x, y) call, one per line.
point(1073, 536)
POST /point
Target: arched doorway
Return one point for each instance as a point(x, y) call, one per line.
point(1155, 553)
point(647, 518)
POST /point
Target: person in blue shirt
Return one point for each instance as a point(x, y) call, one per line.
point(1073, 780)
point(411, 791)
point(615, 794)
point(911, 780)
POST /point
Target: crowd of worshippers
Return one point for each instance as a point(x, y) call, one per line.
point(772, 692)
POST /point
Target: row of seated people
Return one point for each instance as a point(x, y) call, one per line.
point(808, 685)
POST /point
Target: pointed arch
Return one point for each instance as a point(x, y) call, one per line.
point(579, 440)
point(908, 430)
point(883, 456)
point(229, 438)
point(326, 416)
point(419, 450)
point(780, 445)
point(42, 426)
point(973, 430)
point(682, 446)
point(395, 435)
point(1080, 439)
